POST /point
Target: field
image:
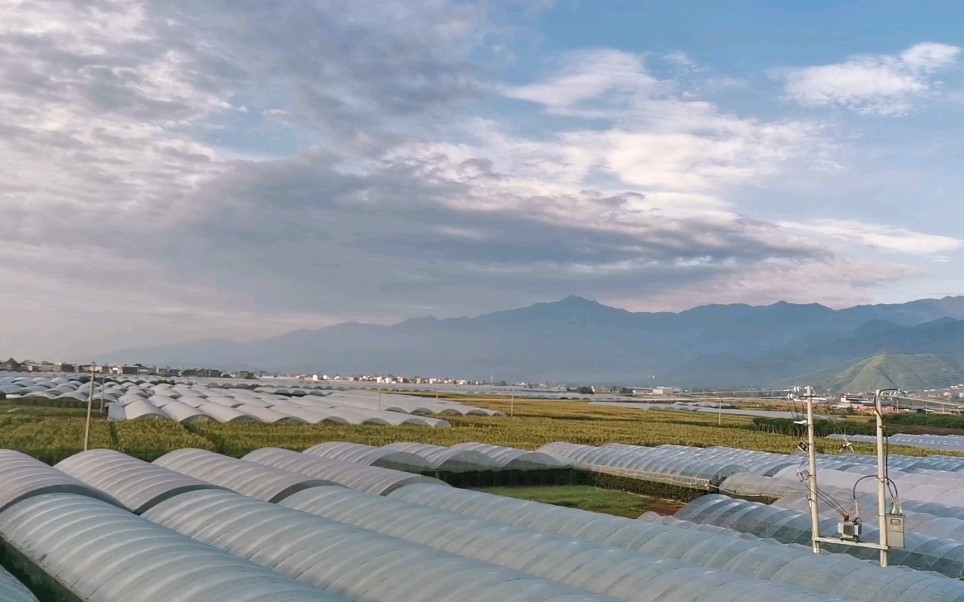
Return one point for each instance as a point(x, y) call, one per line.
point(593, 499)
point(52, 434)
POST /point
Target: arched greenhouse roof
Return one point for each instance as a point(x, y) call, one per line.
point(349, 561)
point(101, 552)
point(137, 484)
point(12, 590)
point(370, 455)
point(596, 568)
point(448, 459)
point(370, 479)
point(248, 478)
point(510, 458)
point(835, 575)
point(22, 477)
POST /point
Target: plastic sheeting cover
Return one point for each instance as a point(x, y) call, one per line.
point(255, 480)
point(753, 485)
point(12, 590)
point(348, 561)
point(360, 453)
point(22, 476)
point(135, 483)
point(370, 479)
point(104, 554)
point(510, 458)
point(448, 459)
point(920, 552)
point(837, 575)
point(604, 570)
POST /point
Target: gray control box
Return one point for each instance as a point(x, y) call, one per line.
point(895, 530)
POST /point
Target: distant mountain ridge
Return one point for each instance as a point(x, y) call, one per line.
point(578, 340)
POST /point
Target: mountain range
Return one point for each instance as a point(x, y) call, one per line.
point(912, 345)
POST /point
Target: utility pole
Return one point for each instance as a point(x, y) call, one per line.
point(90, 407)
point(850, 529)
point(812, 453)
point(882, 478)
point(512, 406)
point(719, 412)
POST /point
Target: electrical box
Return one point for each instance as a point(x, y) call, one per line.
point(895, 530)
point(848, 531)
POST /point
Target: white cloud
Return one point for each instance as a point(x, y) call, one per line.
point(878, 236)
point(874, 84)
point(144, 192)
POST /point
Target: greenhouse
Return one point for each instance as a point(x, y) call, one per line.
point(609, 571)
point(102, 553)
point(255, 480)
point(370, 479)
point(23, 477)
point(12, 590)
point(921, 552)
point(510, 458)
point(137, 484)
point(837, 575)
point(370, 455)
point(671, 468)
point(348, 561)
point(447, 459)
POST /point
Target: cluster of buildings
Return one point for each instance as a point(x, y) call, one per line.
point(12, 365)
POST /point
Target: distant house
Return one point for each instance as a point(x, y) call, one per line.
point(11, 365)
point(63, 367)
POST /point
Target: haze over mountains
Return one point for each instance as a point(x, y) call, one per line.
point(912, 345)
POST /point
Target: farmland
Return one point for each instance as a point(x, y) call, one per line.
point(52, 434)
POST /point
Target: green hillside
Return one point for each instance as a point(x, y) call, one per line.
point(913, 372)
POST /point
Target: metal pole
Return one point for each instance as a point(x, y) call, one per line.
point(90, 407)
point(881, 481)
point(719, 412)
point(812, 453)
point(512, 406)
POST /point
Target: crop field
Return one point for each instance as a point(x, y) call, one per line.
point(593, 499)
point(52, 434)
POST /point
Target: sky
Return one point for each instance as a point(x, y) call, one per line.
point(175, 170)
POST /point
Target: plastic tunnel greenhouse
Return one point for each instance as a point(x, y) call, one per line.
point(12, 590)
point(370, 479)
point(658, 468)
point(447, 459)
point(608, 571)
point(23, 477)
point(920, 552)
point(255, 480)
point(348, 561)
point(510, 458)
point(837, 575)
point(360, 453)
point(135, 483)
point(101, 553)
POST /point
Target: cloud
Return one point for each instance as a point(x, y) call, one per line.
point(872, 84)
point(878, 236)
point(175, 170)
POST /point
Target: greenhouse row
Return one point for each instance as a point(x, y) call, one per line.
point(953, 443)
point(922, 552)
point(185, 403)
point(767, 475)
point(328, 529)
point(423, 457)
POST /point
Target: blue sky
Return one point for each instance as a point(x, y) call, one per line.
point(181, 170)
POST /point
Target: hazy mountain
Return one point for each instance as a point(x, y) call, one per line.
point(578, 340)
